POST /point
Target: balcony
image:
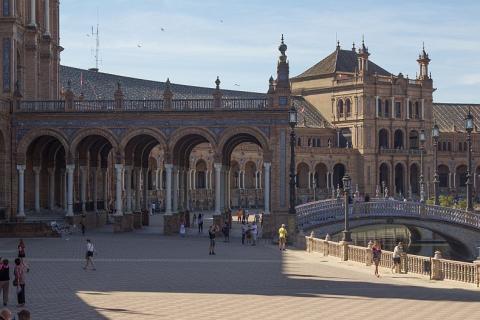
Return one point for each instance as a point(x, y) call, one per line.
point(412, 152)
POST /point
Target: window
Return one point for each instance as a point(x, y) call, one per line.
point(398, 109)
point(318, 142)
point(309, 142)
point(340, 108)
point(410, 109)
point(387, 109)
point(379, 109)
point(299, 142)
point(417, 110)
point(348, 107)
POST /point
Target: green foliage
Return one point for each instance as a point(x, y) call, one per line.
point(446, 201)
point(430, 201)
point(462, 204)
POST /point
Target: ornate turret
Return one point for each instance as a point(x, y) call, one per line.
point(423, 61)
point(282, 67)
point(362, 57)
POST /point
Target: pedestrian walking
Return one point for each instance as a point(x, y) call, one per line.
point(200, 223)
point(4, 280)
point(244, 232)
point(249, 234)
point(82, 227)
point(376, 256)
point(19, 281)
point(194, 220)
point(212, 233)
point(226, 232)
point(182, 230)
point(89, 255)
point(254, 233)
point(397, 252)
point(282, 237)
point(244, 216)
point(239, 215)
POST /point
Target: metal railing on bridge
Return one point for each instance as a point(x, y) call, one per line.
point(314, 214)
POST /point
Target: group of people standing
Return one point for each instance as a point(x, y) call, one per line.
point(19, 276)
point(396, 256)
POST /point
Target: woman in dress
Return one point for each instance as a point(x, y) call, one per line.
point(376, 256)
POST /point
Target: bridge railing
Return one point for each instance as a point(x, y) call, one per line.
point(438, 269)
point(321, 212)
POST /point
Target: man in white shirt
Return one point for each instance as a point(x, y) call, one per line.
point(89, 255)
point(397, 252)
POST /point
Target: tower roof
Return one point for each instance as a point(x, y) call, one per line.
point(341, 61)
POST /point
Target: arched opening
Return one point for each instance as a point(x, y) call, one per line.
point(384, 180)
point(413, 139)
point(348, 108)
point(398, 139)
point(340, 108)
point(338, 173)
point(383, 139)
point(201, 174)
point(302, 175)
point(45, 185)
point(321, 172)
point(345, 138)
point(415, 179)
point(246, 150)
point(399, 179)
point(443, 173)
point(461, 176)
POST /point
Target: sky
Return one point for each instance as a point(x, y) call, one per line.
point(193, 42)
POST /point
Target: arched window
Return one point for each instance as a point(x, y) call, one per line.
point(398, 109)
point(383, 139)
point(398, 139)
point(443, 173)
point(299, 142)
point(348, 108)
point(340, 108)
point(387, 109)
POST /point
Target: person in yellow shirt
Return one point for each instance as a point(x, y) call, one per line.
point(282, 237)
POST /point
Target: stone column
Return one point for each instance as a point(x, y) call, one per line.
point(157, 181)
point(47, 19)
point(138, 189)
point(83, 188)
point(51, 188)
point(36, 171)
point(105, 189)
point(175, 190)
point(168, 191)
point(128, 188)
point(70, 170)
point(266, 193)
point(145, 189)
point(160, 180)
point(64, 188)
point(95, 189)
point(33, 20)
point(21, 190)
point(227, 188)
point(218, 168)
point(118, 189)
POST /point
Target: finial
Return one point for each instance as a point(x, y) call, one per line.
point(270, 80)
point(353, 46)
point(217, 83)
point(338, 44)
point(282, 38)
point(363, 39)
point(282, 47)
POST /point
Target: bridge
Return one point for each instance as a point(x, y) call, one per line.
point(327, 216)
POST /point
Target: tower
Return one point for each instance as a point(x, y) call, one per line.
point(362, 57)
point(30, 48)
point(423, 61)
point(282, 83)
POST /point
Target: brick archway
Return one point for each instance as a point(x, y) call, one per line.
point(23, 145)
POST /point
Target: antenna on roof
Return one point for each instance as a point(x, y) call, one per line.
point(97, 45)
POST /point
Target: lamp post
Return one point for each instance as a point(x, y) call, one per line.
point(436, 182)
point(292, 120)
point(469, 129)
point(347, 236)
point(422, 146)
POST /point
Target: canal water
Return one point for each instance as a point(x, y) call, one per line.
point(417, 241)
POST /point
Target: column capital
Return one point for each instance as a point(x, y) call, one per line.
point(128, 168)
point(37, 170)
point(70, 167)
point(217, 166)
point(21, 167)
point(51, 170)
point(267, 165)
point(168, 166)
point(118, 166)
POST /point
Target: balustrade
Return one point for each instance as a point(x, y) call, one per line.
point(42, 106)
point(94, 105)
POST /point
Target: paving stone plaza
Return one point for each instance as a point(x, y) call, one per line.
point(143, 275)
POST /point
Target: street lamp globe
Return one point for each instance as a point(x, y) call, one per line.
point(435, 131)
point(422, 136)
point(469, 122)
point(292, 116)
